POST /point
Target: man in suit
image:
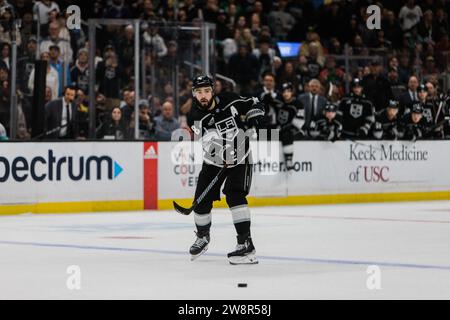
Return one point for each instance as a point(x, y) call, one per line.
point(407, 99)
point(61, 116)
point(313, 102)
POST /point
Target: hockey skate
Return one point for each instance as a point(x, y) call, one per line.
point(245, 252)
point(200, 245)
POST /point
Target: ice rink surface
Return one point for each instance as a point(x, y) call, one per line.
point(305, 252)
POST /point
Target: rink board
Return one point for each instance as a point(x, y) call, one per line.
point(325, 172)
point(70, 177)
point(118, 176)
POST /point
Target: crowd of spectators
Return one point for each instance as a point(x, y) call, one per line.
point(412, 45)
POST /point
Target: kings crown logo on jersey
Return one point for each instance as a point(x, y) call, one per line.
point(428, 115)
point(356, 110)
point(283, 116)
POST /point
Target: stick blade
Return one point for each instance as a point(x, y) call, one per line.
point(180, 209)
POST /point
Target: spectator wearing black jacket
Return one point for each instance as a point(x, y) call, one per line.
point(25, 64)
point(222, 30)
point(392, 29)
point(127, 104)
point(376, 87)
point(79, 73)
point(146, 124)
point(110, 76)
point(114, 128)
point(243, 68)
point(118, 9)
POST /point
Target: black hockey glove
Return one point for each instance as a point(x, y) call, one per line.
point(258, 122)
point(362, 132)
point(394, 133)
point(378, 131)
point(415, 133)
point(256, 117)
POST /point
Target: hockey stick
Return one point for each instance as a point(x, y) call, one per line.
point(187, 211)
point(439, 111)
point(49, 132)
point(444, 98)
point(437, 125)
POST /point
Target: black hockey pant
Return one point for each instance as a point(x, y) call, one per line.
point(237, 186)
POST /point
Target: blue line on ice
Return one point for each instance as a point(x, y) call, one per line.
point(279, 258)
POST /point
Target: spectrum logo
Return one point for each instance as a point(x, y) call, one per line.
point(54, 169)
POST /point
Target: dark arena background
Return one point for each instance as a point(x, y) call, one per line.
point(348, 188)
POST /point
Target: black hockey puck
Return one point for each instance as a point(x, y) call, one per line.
point(242, 285)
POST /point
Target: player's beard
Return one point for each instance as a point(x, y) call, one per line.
point(204, 103)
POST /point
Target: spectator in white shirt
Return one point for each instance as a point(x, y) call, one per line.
point(54, 39)
point(43, 8)
point(153, 40)
point(52, 79)
point(409, 15)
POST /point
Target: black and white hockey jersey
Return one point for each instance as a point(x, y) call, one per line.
point(434, 113)
point(413, 131)
point(324, 129)
point(221, 130)
point(385, 128)
point(272, 101)
point(357, 114)
point(290, 114)
point(290, 119)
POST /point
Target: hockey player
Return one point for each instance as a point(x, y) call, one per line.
point(329, 127)
point(413, 125)
point(358, 113)
point(221, 116)
point(386, 122)
point(427, 105)
point(290, 119)
point(432, 111)
point(445, 106)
